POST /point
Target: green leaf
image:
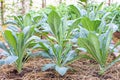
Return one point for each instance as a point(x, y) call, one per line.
point(14, 28)
point(85, 43)
point(54, 22)
point(37, 19)
point(100, 6)
point(43, 46)
point(11, 22)
point(35, 38)
point(97, 47)
point(61, 70)
point(73, 26)
point(41, 53)
point(47, 66)
point(10, 38)
point(18, 20)
point(28, 32)
point(84, 1)
point(92, 44)
point(10, 59)
point(2, 46)
point(20, 44)
point(105, 15)
point(3, 52)
point(52, 38)
point(27, 20)
point(70, 55)
point(105, 40)
point(90, 25)
point(75, 10)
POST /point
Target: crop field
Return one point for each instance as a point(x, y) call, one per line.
point(60, 40)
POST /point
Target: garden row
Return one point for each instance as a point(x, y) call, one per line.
point(61, 34)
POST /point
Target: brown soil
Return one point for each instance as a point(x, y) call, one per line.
point(116, 36)
point(83, 70)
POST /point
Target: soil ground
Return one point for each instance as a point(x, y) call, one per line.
point(83, 70)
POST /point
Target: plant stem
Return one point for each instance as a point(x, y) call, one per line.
point(20, 62)
point(19, 67)
point(2, 12)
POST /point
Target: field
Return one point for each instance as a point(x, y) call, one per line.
point(79, 41)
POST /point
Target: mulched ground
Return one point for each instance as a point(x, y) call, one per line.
point(83, 70)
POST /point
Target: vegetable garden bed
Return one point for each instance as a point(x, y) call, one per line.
point(83, 70)
point(62, 43)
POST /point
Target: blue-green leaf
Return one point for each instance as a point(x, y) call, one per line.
point(10, 59)
point(47, 66)
point(61, 70)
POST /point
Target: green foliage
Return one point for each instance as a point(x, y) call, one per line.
point(73, 12)
point(24, 21)
point(114, 16)
point(54, 22)
point(10, 58)
point(83, 1)
point(90, 25)
point(62, 27)
point(97, 48)
point(62, 9)
point(58, 47)
point(19, 44)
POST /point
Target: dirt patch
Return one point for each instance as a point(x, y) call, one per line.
point(82, 70)
point(116, 36)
